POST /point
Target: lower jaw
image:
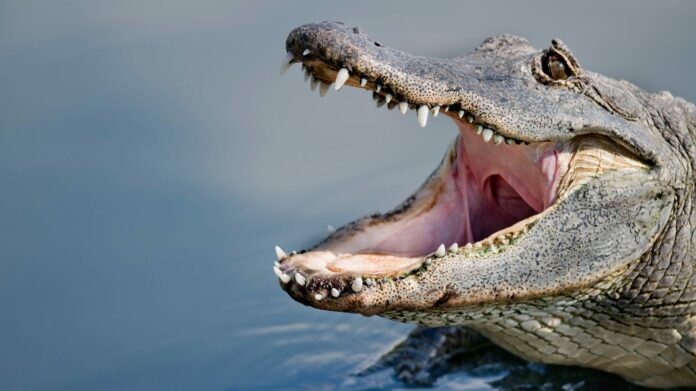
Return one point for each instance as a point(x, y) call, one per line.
point(482, 196)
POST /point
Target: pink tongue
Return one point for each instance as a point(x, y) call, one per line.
point(373, 264)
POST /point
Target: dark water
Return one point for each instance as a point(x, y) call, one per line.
point(151, 156)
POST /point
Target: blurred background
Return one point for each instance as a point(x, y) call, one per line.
point(151, 157)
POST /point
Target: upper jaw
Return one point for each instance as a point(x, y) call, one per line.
point(494, 84)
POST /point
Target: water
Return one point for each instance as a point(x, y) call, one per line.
point(150, 158)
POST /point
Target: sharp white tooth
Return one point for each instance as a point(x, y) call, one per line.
point(454, 247)
point(403, 107)
point(497, 139)
point(378, 88)
point(307, 75)
point(300, 279)
point(306, 52)
point(446, 109)
point(368, 281)
point(460, 113)
point(440, 252)
point(469, 118)
point(323, 89)
point(387, 98)
point(287, 61)
point(357, 284)
point(277, 271)
point(422, 116)
point(509, 141)
point(487, 134)
point(468, 246)
point(313, 83)
point(330, 229)
point(318, 296)
point(280, 253)
point(363, 81)
point(341, 78)
point(479, 129)
point(435, 110)
point(285, 278)
point(335, 292)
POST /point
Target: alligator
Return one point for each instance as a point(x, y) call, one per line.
point(558, 224)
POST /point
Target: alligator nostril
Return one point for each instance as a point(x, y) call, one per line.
point(357, 30)
point(377, 43)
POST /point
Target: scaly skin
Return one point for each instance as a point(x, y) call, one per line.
point(605, 277)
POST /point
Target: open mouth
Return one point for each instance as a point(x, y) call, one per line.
point(488, 192)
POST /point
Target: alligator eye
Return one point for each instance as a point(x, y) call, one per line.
point(555, 67)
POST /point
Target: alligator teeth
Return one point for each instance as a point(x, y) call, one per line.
point(335, 292)
point(313, 83)
point(446, 109)
point(403, 107)
point(368, 281)
point(283, 277)
point(300, 279)
point(469, 118)
point(287, 61)
point(422, 116)
point(280, 253)
point(387, 98)
point(318, 296)
point(306, 52)
point(468, 246)
point(435, 110)
point(378, 88)
point(454, 247)
point(487, 135)
point(497, 139)
point(378, 100)
point(330, 229)
point(357, 284)
point(509, 141)
point(341, 78)
point(479, 129)
point(460, 113)
point(440, 251)
point(323, 89)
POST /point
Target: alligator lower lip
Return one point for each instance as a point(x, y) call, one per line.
point(486, 193)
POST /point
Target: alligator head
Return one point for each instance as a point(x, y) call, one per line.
point(560, 187)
